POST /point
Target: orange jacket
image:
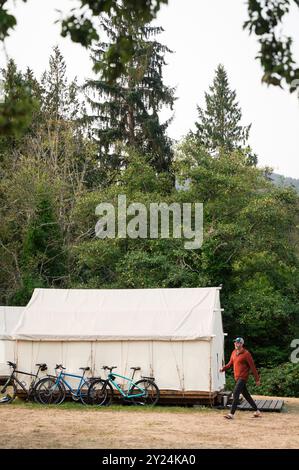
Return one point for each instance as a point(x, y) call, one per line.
point(242, 362)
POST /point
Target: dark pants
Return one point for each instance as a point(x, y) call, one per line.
point(240, 387)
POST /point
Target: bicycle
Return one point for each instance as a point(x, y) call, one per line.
point(10, 386)
point(143, 392)
point(54, 389)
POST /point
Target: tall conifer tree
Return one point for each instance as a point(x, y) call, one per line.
point(17, 102)
point(125, 111)
point(218, 125)
point(60, 98)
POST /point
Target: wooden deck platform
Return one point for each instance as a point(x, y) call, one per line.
point(169, 397)
point(187, 397)
point(177, 397)
point(263, 405)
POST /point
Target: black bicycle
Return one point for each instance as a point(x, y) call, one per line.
point(8, 391)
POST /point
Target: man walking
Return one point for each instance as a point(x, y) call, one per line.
point(242, 362)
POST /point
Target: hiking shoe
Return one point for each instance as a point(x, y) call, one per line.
point(257, 414)
point(229, 416)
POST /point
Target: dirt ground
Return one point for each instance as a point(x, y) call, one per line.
point(27, 426)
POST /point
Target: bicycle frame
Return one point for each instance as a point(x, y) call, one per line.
point(61, 378)
point(13, 377)
point(110, 379)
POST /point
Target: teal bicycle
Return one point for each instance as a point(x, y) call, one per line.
point(143, 392)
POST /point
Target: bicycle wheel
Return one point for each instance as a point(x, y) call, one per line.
point(8, 393)
point(48, 392)
point(150, 390)
point(100, 393)
point(83, 393)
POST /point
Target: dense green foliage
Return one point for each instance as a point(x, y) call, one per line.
point(42, 260)
point(18, 102)
point(279, 381)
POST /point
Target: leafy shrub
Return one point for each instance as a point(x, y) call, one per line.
point(282, 381)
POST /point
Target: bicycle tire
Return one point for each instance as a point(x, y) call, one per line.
point(46, 394)
point(151, 396)
point(83, 392)
point(8, 393)
point(100, 393)
point(32, 393)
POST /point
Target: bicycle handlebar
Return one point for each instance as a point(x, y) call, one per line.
point(12, 364)
point(59, 366)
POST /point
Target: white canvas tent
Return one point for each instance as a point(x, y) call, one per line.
point(174, 334)
point(9, 317)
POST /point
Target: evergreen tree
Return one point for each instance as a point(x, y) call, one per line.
point(36, 91)
point(126, 110)
point(61, 126)
point(19, 107)
point(17, 103)
point(32, 84)
point(218, 126)
point(60, 98)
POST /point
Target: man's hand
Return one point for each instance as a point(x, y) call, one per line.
point(258, 383)
point(221, 370)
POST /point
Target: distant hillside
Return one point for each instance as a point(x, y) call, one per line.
point(280, 180)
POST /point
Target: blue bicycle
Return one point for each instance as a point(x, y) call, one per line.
point(55, 389)
point(143, 392)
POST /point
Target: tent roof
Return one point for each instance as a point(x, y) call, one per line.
point(9, 317)
point(118, 314)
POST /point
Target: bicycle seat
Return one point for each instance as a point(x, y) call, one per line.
point(84, 368)
point(12, 364)
point(110, 368)
point(59, 366)
point(42, 366)
point(135, 368)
